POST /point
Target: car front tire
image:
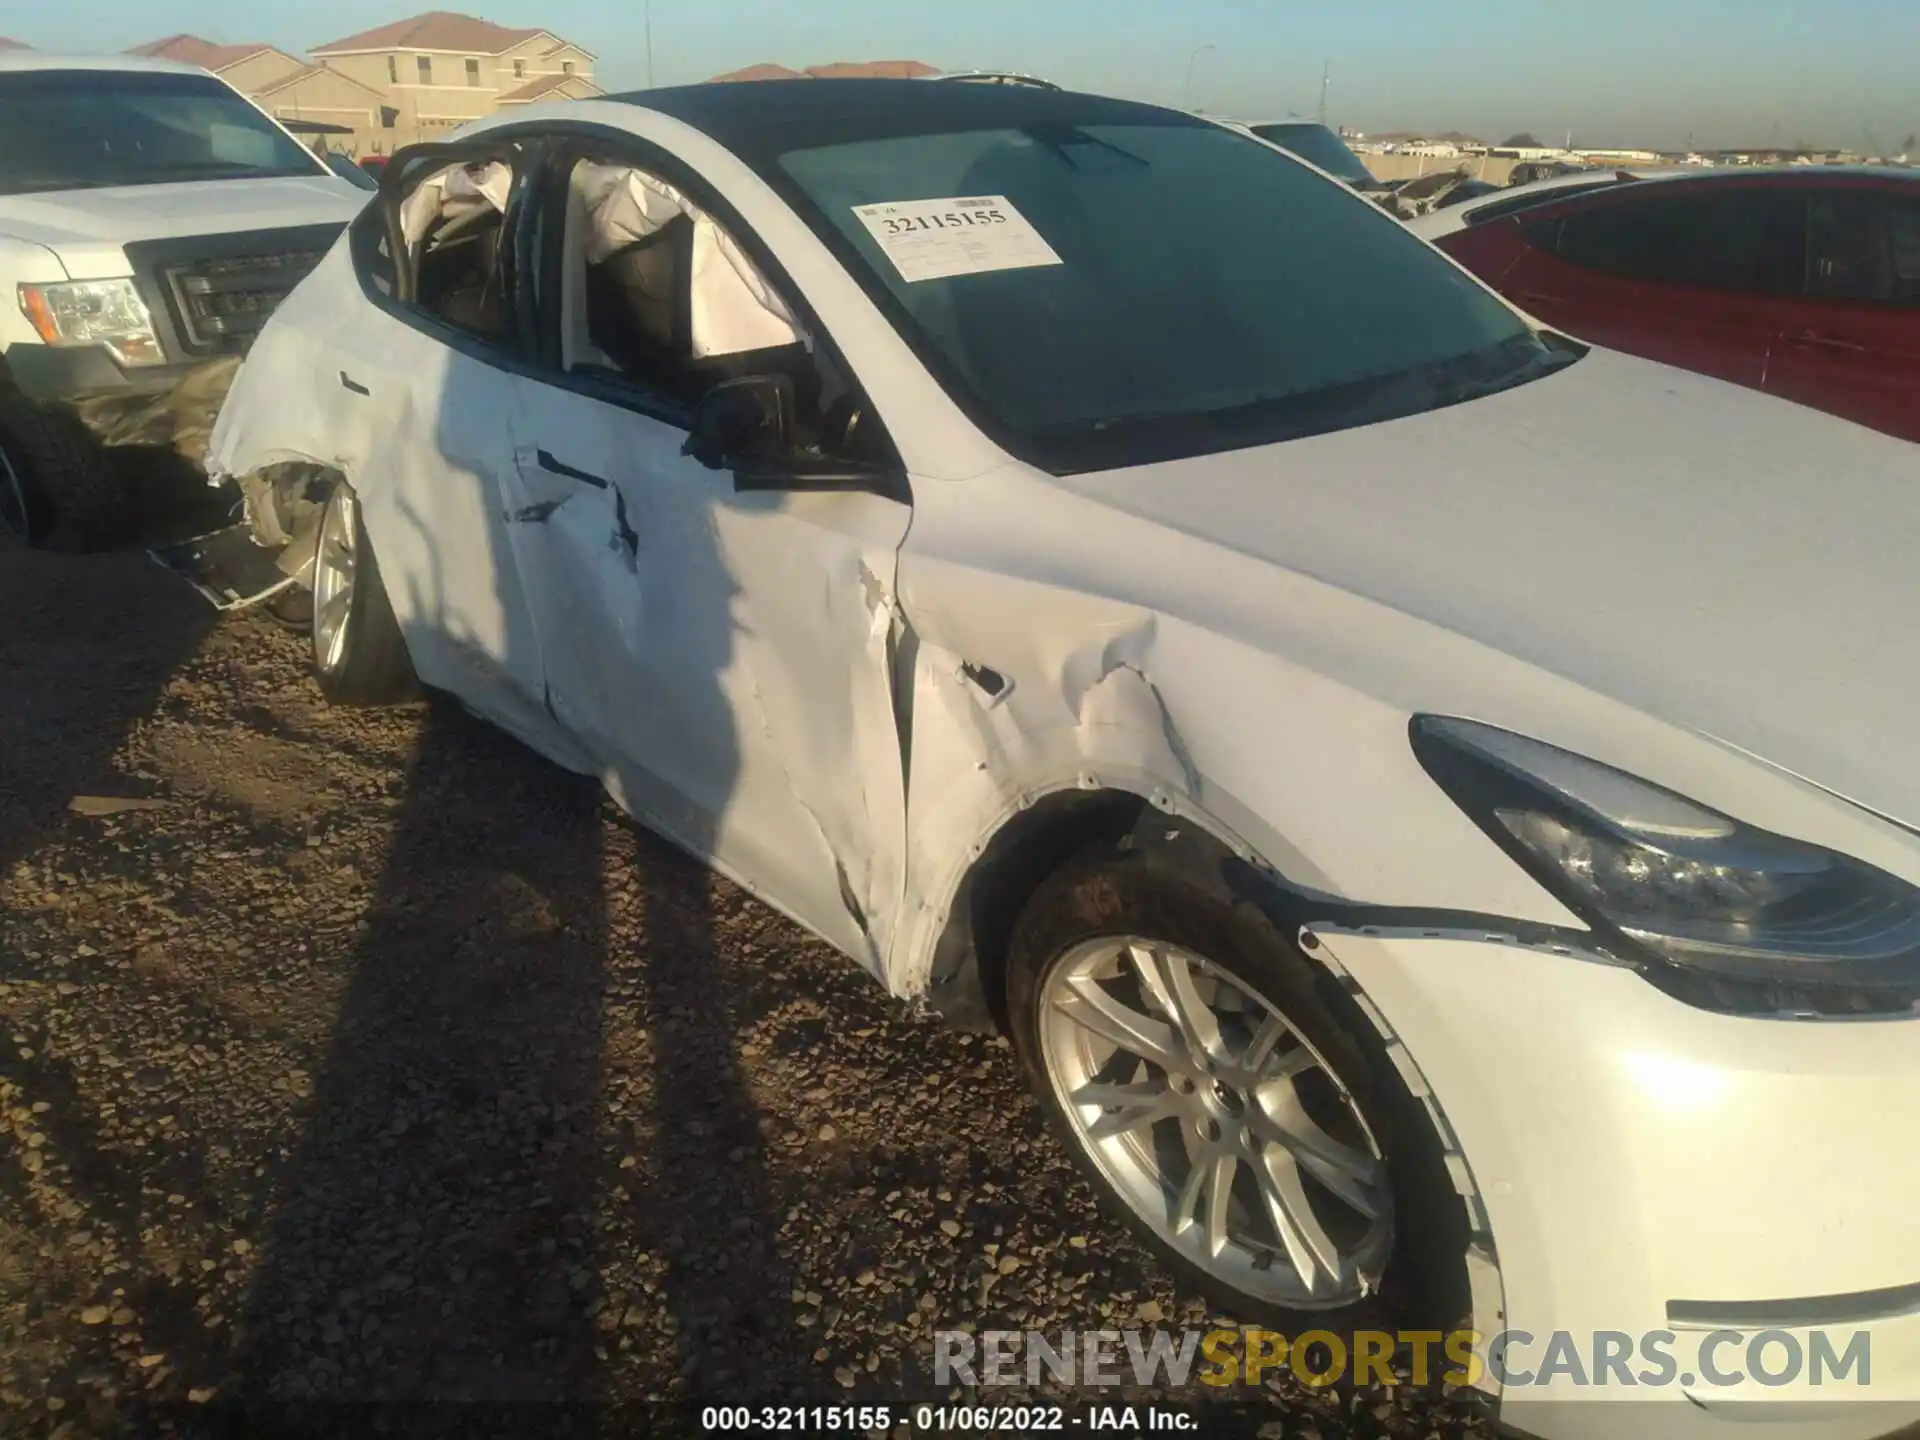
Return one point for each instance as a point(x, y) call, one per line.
point(1229, 1102)
point(359, 654)
point(57, 491)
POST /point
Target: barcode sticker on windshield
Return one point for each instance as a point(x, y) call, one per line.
point(932, 239)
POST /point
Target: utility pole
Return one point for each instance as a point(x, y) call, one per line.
point(1326, 74)
point(648, 20)
point(1197, 51)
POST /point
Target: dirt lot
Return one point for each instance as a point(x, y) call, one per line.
point(379, 1060)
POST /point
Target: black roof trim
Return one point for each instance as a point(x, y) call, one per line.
point(766, 116)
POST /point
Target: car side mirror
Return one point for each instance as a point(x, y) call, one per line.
point(744, 420)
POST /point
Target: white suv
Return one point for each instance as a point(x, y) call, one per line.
point(1433, 804)
point(151, 217)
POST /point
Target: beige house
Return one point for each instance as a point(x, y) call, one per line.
point(313, 92)
point(245, 67)
point(439, 70)
point(411, 80)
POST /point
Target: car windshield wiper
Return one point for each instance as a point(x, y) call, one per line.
point(1104, 441)
point(1542, 361)
point(1063, 140)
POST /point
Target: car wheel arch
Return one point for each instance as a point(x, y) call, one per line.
point(284, 497)
point(1044, 829)
point(1048, 831)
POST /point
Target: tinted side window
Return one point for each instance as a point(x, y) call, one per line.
point(1751, 240)
point(1864, 246)
point(1903, 226)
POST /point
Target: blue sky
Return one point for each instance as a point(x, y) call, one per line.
point(1831, 72)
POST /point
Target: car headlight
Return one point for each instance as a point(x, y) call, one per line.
point(94, 312)
point(1680, 883)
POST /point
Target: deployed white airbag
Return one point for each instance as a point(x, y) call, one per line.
point(455, 194)
point(734, 309)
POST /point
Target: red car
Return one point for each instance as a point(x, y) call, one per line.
point(1802, 283)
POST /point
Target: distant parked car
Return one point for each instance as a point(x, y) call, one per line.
point(1528, 171)
point(1804, 283)
point(373, 164)
point(1438, 191)
point(1317, 145)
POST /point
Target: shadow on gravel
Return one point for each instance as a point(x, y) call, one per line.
point(435, 1241)
point(728, 1287)
point(87, 646)
point(434, 1235)
point(437, 1235)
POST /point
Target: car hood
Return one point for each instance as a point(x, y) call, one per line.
point(86, 228)
point(1716, 559)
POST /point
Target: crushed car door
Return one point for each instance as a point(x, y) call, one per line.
point(437, 371)
point(724, 655)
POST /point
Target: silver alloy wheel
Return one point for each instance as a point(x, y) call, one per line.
point(1217, 1122)
point(335, 565)
point(16, 514)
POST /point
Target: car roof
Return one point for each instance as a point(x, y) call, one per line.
point(1460, 217)
point(772, 116)
point(18, 60)
point(1005, 77)
point(1593, 177)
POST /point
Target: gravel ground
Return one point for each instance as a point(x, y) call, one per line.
point(376, 1059)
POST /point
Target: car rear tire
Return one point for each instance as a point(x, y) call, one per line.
point(57, 491)
point(1250, 1128)
point(359, 654)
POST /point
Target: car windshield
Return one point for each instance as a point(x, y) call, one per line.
point(84, 129)
point(1113, 294)
point(1317, 145)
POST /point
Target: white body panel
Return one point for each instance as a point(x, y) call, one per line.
point(1633, 1152)
point(86, 228)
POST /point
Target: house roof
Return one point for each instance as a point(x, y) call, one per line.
point(542, 86)
point(192, 50)
point(872, 70)
point(6, 44)
point(837, 70)
point(762, 71)
point(438, 30)
point(307, 72)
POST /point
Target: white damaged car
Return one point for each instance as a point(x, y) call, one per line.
point(1433, 804)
